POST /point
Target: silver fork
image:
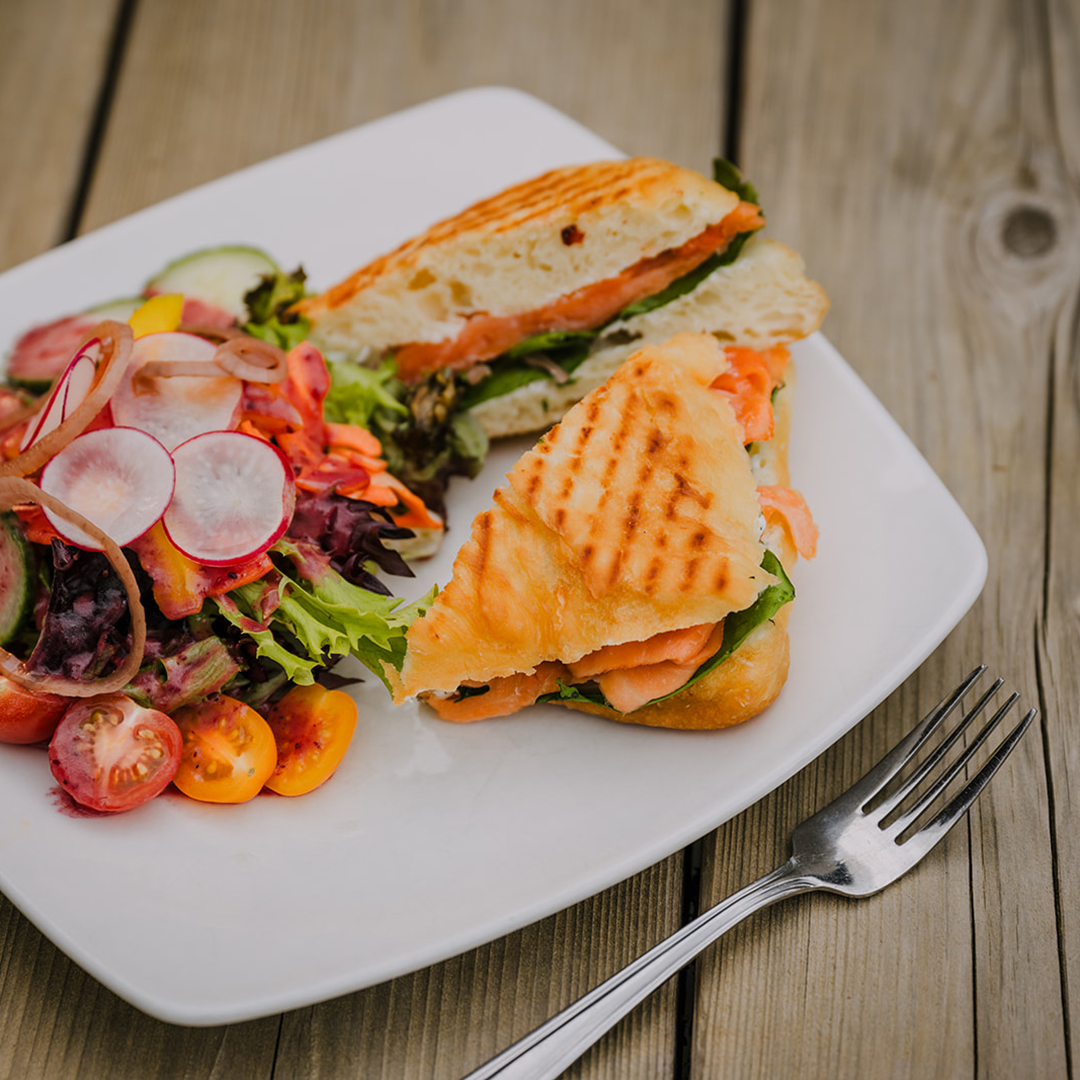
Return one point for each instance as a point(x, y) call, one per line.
point(858, 844)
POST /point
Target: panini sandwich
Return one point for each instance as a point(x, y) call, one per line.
point(635, 563)
point(531, 298)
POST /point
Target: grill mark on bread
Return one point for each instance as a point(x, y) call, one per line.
point(684, 489)
point(645, 473)
point(483, 540)
point(630, 522)
point(651, 575)
point(627, 417)
point(689, 573)
point(629, 527)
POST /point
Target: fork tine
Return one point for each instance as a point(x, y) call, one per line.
point(862, 791)
point(890, 802)
point(939, 785)
point(929, 835)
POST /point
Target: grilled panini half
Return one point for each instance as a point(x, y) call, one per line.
point(634, 525)
point(541, 291)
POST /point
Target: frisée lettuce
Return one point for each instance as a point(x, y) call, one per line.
point(307, 619)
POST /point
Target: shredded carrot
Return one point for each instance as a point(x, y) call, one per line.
point(417, 514)
point(39, 529)
point(354, 437)
point(249, 428)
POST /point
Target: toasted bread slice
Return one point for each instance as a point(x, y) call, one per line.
point(635, 516)
point(522, 250)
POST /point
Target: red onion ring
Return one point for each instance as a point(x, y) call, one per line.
point(16, 491)
point(252, 359)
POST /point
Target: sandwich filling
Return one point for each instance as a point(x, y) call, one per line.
point(629, 675)
point(485, 336)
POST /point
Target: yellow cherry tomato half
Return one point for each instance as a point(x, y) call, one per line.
point(229, 750)
point(313, 727)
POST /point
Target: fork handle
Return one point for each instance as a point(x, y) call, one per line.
point(546, 1052)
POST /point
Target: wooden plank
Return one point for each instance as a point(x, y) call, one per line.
point(55, 59)
point(208, 87)
point(1058, 637)
point(446, 1020)
point(896, 149)
point(56, 1021)
point(55, 63)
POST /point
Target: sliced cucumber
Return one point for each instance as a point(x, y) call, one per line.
point(219, 276)
point(16, 578)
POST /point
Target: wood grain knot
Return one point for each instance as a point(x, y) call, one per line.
point(1029, 231)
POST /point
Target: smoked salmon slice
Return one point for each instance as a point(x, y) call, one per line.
point(748, 384)
point(628, 689)
point(680, 646)
point(790, 507)
point(503, 696)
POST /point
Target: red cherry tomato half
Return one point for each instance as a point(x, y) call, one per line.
point(110, 754)
point(27, 717)
point(229, 751)
point(313, 727)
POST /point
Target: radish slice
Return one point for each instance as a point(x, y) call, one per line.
point(121, 479)
point(174, 410)
point(234, 497)
point(69, 392)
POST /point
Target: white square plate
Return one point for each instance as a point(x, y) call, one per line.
point(433, 838)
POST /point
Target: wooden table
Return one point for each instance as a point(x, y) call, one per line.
point(925, 158)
